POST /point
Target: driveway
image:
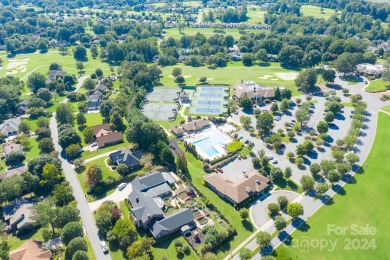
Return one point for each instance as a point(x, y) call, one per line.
point(117, 196)
point(259, 211)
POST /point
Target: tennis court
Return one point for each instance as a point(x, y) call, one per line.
point(160, 111)
point(210, 100)
point(158, 94)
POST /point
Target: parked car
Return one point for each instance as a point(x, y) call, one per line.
point(240, 137)
point(220, 170)
point(122, 186)
point(104, 247)
point(94, 144)
point(246, 141)
point(277, 118)
point(270, 157)
point(275, 161)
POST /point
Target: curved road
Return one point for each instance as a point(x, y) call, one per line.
point(82, 204)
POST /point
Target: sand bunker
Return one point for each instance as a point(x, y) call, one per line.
point(265, 77)
point(187, 76)
point(12, 72)
point(274, 79)
point(287, 75)
point(17, 65)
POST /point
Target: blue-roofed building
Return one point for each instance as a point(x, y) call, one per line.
point(127, 157)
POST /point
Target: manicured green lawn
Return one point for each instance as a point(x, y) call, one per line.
point(363, 203)
point(386, 109)
point(124, 209)
point(195, 168)
point(315, 11)
point(88, 154)
point(234, 146)
point(16, 241)
point(232, 74)
point(167, 248)
point(255, 16)
point(174, 32)
point(34, 151)
point(90, 253)
point(347, 104)
point(376, 86)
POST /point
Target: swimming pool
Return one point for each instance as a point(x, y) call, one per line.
point(212, 143)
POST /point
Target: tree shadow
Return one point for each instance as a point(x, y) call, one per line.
point(339, 189)
point(333, 127)
point(339, 116)
point(247, 225)
point(264, 64)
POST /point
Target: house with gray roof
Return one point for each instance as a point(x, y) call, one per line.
point(144, 208)
point(127, 157)
point(18, 215)
point(171, 223)
point(10, 127)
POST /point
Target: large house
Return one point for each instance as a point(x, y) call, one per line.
point(253, 91)
point(12, 171)
point(147, 205)
point(238, 191)
point(105, 137)
point(370, 69)
point(127, 157)
point(30, 250)
point(18, 215)
point(10, 127)
point(23, 106)
point(10, 147)
point(193, 126)
point(94, 102)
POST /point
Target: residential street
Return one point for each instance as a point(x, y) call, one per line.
point(82, 205)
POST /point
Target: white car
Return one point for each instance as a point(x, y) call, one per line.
point(104, 247)
point(275, 161)
point(270, 157)
point(277, 118)
point(122, 186)
point(94, 144)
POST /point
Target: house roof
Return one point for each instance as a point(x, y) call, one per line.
point(239, 190)
point(195, 125)
point(11, 147)
point(94, 98)
point(10, 125)
point(126, 156)
point(151, 179)
point(101, 87)
point(96, 129)
point(144, 208)
point(177, 130)
point(12, 172)
point(30, 250)
point(18, 212)
point(158, 190)
point(172, 222)
point(111, 138)
point(252, 90)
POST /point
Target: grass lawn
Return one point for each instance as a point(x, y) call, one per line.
point(167, 248)
point(255, 16)
point(88, 154)
point(124, 209)
point(231, 74)
point(363, 203)
point(168, 124)
point(347, 104)
point(174, 32)
point(352, 80)
point(234, 146)
point(16, 241)
point(92, 120)
point(40, 63)
point(34, 151)
point(195, 168)
point(315, 11)
point(386, 109)
point(90, 253)
point(289, 185)
point(376, 86)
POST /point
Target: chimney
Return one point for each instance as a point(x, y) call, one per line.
point(258, 182)
point(137, 199)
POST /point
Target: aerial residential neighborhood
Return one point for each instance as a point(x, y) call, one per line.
point(211, 130)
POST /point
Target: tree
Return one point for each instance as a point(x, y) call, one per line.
point(105, 108)
point(329, 117)
point(67, 137)
point(94, 51)
point(274, 107)
point(306, 80)
point(80, 255)
point(263, 239)
point(147, 160)
point(285, 105)
point(122, 169)
point(124, 228)
point(75, 245)
point(307, 183)
point(63, 194)
point(181, 163)
point(24, 127)
point(176, 72)
point(80, 53)
point(273, 209)
point(88, 134)
point(180, 79)
point(145, 134)
point(94, 175)
point(322, 127)
point(327, 166)
point(245, 102)
point(70, 231)
point(44, 94)
point(89, 84)
point(79, 65)
point(14, 158)
point(280, 223)
point(136, 250)
point(329, 75)
point(291, 56)
point(64, 114)
point(287, 172)
point(72, 151)
point(262, 55)
point(4, 250)
point(116, 122)
point(42, 122)
point(322, 188)
point(99, 72)
point(338, 155)
point(245, 254)
point(247, 59)
point(345, 63)
point(44, 213)
point(244, 213)
point(352, 158)
point(283, 202)
point(315, 168)
point(245, 121)
point(333, 176)
point(81, 120)
point(276, 174)
point(265, 123)
point(104, 221)
point(334, 107)
point(302, 115)
point(36, 81)
point(46, 145)
point(295, 209)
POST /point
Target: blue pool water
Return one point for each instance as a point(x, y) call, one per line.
point(212, 139)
